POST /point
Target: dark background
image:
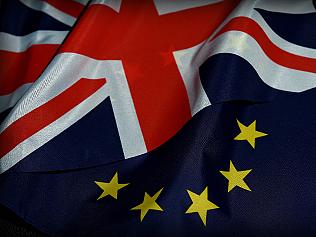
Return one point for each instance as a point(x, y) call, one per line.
point(13, 226)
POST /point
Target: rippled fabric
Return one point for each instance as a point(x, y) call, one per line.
point(158, 118)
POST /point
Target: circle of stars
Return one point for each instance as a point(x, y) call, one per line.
point(200, 202)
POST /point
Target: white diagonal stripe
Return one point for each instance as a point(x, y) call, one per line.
point(167, 6)
point(50, 10)
point(114, 4)
point(8, 101)
point(13, 43)
point(189, 62)
point(271, 73)
point(287, 6)
point(246, 9)
point(83, 2)
point(64, 71)
point(280, 42)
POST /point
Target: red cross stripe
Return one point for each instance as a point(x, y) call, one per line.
point(144, 41)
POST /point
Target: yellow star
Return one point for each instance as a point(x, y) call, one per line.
point(110, 188)
point(236, 178)
point(249, 133)
point(200, 204)
point(149, 203)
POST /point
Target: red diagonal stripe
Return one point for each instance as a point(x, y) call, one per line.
point(17, 69)
point(44, 115)
point(275, 53)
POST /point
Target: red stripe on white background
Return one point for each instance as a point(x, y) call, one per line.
point(53, 82)
point(25, 67)
point(271, 73)
point(275, 53)
point(42, 116)
point(17, 44)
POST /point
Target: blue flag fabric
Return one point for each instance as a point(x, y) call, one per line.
point(172, 118)
point(282, 180)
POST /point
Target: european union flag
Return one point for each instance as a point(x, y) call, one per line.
point(235, 168)
point(165, 118)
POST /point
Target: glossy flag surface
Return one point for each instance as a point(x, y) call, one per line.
point(156, 117)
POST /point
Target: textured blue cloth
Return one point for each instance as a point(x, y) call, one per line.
point(282, 180)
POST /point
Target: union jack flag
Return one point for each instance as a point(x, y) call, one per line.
point(88, 84)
